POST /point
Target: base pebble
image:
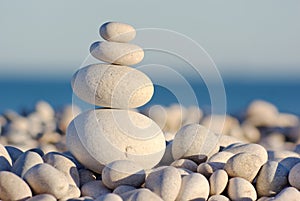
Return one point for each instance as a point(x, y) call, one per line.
point(193, 187)
point(109, 197)
point(13, 187)
point(241, 189)
point(42, 197)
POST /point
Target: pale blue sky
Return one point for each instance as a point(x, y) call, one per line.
point(245, 38)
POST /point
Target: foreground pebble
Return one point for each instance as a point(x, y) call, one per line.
point(239, 189)
point(42, 197)
point(44, 178)
point(272, 178)
point(164, 182)
point(193, 187)
point(123, 172)
point(13, 187)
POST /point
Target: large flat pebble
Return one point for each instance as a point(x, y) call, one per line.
point(112, 86)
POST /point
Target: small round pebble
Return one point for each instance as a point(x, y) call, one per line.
point(86, 176)
point(256, 149)
point(218, 198)
point(117, 32)
point(245, 165)
point(42, 197)
point(94, 189)
point(271, 179)
point(218, 182)
point(13, 187)
point(241, 189)
point(141, 194)
point(294, 176)
point(185, 163)
point(194, 142)
point(287, 194)
point(43, 178)
point(193, 187)
point(109, 197)
point(123, 172)
point(73, 192)
point(117, 53)
point(123, 189)
point(220, 159)
point(164, 182)
point(64, 165)
point(26, 161)
point(207, 169)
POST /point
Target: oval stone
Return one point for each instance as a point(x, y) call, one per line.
point(98, 137)
point(94, 189)
point(123, 172)
point(245, 165)
point(65, 165)
point(241, 189)
point(117, 53)
point(185, 163)
point(289, 193)
point(13, 187)
point(218, 198)
point(109, 197)
point(42, 197)
point(43, 178)
point(26, 161)
point(218, 182)
point(271, 179)
point(194, 142)
point(112, 86)
point(193, 187)
point(117, 32)
point(164, 182)
point(294, 176)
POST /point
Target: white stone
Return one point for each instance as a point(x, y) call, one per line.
point(98, 137)
point(112, 86)
point(94, 189)
point(194, 142)
point(193, 187)
point(218, 182)
point(256, 149)
point(65, 165)
point(117, 32)
point(43, 178)
point(245, 165)
point(165, 183)
point(218, 198)
point(13, 187)
point(185, 163)
point(26, 161)
point(294, 176)
point(123, 172)
point(287, 194)
point(117, 53)
point(109, 197)
point(42, 197)
point(271, 179)
point(241, 189)
point(123, 189)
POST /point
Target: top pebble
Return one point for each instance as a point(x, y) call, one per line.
point(117, 32)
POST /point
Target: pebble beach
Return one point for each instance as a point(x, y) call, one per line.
point(118, 152)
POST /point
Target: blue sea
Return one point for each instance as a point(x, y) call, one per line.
point(22, 95)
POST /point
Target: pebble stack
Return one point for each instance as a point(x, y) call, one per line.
point(116, 153)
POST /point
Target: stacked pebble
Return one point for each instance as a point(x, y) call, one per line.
point(118, 154)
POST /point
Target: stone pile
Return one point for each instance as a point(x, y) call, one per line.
point(115, 153)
